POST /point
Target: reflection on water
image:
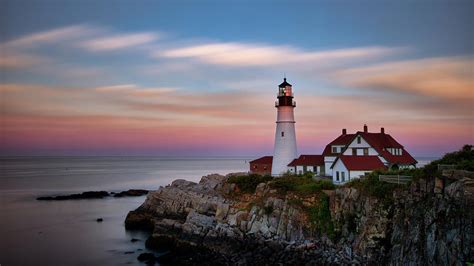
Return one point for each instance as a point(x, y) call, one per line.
point(66, 232)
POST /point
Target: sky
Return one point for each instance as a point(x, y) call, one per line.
point(199, 78)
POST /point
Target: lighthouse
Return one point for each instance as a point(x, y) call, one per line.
point(285, 138)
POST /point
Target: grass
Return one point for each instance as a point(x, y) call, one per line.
point(371, 185)
point(300, 185)
point(248, 183)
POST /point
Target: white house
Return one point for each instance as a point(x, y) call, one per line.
point(364, 152)
point(307, 163)
point(346, 168)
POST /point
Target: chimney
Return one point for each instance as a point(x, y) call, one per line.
point(344, 131)
point(365, 129)
point(382, 130)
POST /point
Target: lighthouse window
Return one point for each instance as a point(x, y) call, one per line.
point(282, 134)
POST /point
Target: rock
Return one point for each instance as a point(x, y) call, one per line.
point(83, 195)
point(148, 258)
point(160, 242)
point(208, 222)
point(212, 181)
point(99, 220)
point(129, 252)
point(139, 220)
point(131, 193)
point(133, 240)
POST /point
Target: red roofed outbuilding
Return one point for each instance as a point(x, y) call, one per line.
point(307, 163)
point(262, 165)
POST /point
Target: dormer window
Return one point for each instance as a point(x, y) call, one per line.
point(334, 149)
point(366, 151)
point(358, 140)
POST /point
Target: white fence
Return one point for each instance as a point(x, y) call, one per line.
point(395, 179)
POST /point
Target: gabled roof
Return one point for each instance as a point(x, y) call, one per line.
point(344, 139)
point(360, 163)
point(381, 141)
point(308, 160)
point(263, 160)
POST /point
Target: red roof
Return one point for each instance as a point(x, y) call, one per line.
point(344, 139)
point(263, 160)
point(381, 141)
point(308, 160)
point(361, 163)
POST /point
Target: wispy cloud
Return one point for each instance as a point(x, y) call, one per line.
point(55, 35)
point(134, 90)
point(247, 54)
point(449, 78)
point(120, 41)
point(17, 60)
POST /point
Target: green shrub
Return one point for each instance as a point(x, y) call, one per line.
point(300, 184)
point(248, 183)
point(372, 186)
point(320, 217)
point(462, 160)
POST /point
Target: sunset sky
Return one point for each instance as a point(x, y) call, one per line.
point(200, 77)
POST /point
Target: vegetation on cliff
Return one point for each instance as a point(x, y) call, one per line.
point(460, 160)
point(248, 183)
point(300, 185)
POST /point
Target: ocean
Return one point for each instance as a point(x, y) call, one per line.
point(66, 232)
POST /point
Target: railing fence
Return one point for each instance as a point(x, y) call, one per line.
point(395, 179)
point(446, 166)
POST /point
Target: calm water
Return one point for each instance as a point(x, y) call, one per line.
point(66, 232)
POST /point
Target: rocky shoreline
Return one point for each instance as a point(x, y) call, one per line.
point(212, 222)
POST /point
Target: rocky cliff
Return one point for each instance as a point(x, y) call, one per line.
point(427, 222)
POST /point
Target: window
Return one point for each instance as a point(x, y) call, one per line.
point(265, 168)
point(343, 176)
point(334, 149)
point(366, 151)
point(358, 140)
point(254, 167)
point(354, 151)
point(282, 134)
point(337, 176)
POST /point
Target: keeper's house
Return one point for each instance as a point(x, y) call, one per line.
point(353, 155)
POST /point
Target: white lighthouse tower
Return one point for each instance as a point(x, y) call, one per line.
point(285, 138)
